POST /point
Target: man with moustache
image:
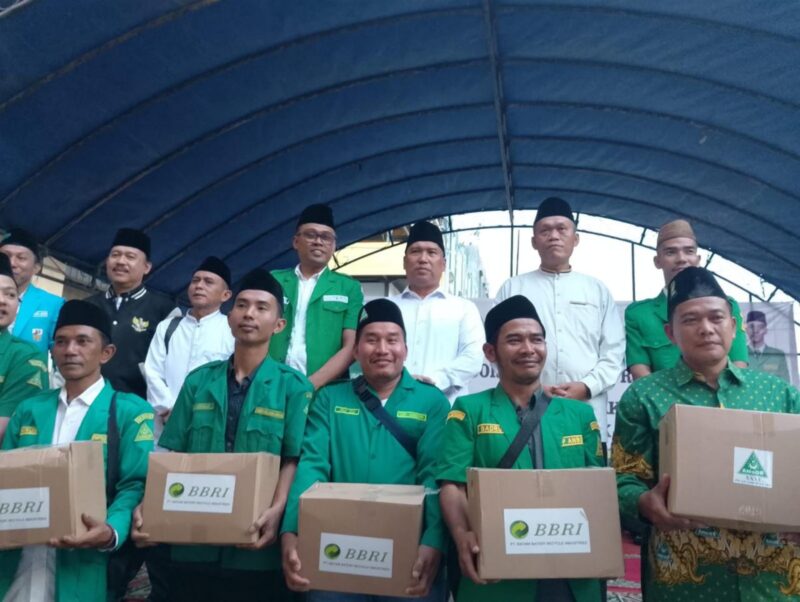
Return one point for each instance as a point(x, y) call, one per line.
point(23, 367)
point(647, 347)
point(181, 344)
point(247, 403)
point(134, 310)
point(347, 441)
point(480, 430)
point(685, 561)
point(444, 332)
point(74, 567)
point(38, 309)
point(321, 305)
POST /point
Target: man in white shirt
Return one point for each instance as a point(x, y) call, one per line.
point(444, 333)
point(586, 335)
point(181, 344)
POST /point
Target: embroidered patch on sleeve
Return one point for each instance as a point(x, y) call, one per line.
point(456, 415)
point(28, 430)
point(145, 434)
point(38, 364)
point(594, 426)
point(35, 380)
point(142, 417)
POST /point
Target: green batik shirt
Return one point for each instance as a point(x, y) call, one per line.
point(712, 564)
point(23, 372)
point(647, 343)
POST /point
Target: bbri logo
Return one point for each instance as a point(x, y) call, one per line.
point(332, 551)
point(519, 529)
point(176, 489)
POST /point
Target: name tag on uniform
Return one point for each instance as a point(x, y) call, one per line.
point(571, 440)
point(28, 430)
point(40, 313)
point(336, 298)
point(490, 429)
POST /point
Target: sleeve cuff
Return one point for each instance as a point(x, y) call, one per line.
point(114, 543)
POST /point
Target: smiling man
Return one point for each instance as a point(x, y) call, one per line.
point(648, 348)
point(347, 441)
point(684, 561)
point(321, 305)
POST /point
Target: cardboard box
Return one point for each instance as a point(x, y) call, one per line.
point(732, 468)
point(546, 524)
point(46, 489)
point(360, 539)
point(207, 498)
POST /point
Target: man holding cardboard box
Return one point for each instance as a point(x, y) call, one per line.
point(23, 368)
point(86, 408)
point(250, 403)
point(384, 428)
point(515, 425)
point(686, 560)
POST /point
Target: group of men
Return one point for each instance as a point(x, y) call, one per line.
point(273, 375)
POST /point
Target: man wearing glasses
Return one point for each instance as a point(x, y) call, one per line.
point(321, 306)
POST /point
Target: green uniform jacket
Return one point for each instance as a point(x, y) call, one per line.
point(479, 431)
point(345, 443)
point(332, 308)
point(81, 574)
point(23, 372)
point(647, 343)
point(772, 361)
point(272, 420)
point(711, 565)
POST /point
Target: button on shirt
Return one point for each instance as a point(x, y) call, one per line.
point(35, 579)
point(445, 337)
point(296, 356)
point(585, 333)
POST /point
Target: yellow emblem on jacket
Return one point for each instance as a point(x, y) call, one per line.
point(145, 434)
point(346, 411)
point(140, 324)
point(594, 426)
point(142, 417)
point(28, 430)
point(269, 412)
point(413, 416)
point(100, 437)
point(456, 415)
point(571, 440)
point(490, 429)
point(202, 407)
point(38, 364)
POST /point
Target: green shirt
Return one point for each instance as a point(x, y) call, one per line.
point(770, 360)
point(345, 443)
point(333, 307)
point(646, 342)
point(272, 420)
point(479, 431)
point(23, 372)
point(694, 565)
point(81, 574)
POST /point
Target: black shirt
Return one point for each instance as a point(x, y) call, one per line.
point(237, 391)
point(132, 328)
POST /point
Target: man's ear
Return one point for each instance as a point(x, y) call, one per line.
point(108, 352)
point(670, 335)
point(489, 352)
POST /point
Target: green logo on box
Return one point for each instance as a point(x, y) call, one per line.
point(519, 529)
point(753, 467)
point(176, 490)
point(332, 551)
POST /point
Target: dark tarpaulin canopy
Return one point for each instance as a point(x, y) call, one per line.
point(211, 123)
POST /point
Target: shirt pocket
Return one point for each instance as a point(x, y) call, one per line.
point(264, 434)
point(336, 307)
point(201, 430)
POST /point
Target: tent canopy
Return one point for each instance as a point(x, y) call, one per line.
point(211, 123)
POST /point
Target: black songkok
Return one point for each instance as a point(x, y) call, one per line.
point(425, 232)
point(5, 266)
point(83, 313)
point(380, 310)
point(23, 238)
point(316, 214)
point(756, 316)
point(128, 237)
point(511, 309)
point(554, 206)
point(260, 279)
point(216, 266)
point(692, 283)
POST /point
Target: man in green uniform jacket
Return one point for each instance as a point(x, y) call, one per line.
point(480, 429)
point(684, 561)
point(647, 348)
point(73, 568)
point(249, 403)
point(346, 443)
point(763, 357)
point(321, 307)
point(23, 368)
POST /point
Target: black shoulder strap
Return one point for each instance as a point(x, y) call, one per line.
point(529, 424)
point(173, 325)
point(375, 406)
point(112, 449)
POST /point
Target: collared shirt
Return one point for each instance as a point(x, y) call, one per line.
point(537, 406)
point(35, 579)
point(237, 391)
point(193, 343)
point(585, 333)
point(445, 337)
point(297, 357)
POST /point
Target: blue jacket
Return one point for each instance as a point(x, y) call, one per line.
point(36, 319)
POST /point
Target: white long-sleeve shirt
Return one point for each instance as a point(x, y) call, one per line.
point(35, 579)
point(296, 355)
point(194, 343)
point(445, 337)
point(584, 331)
